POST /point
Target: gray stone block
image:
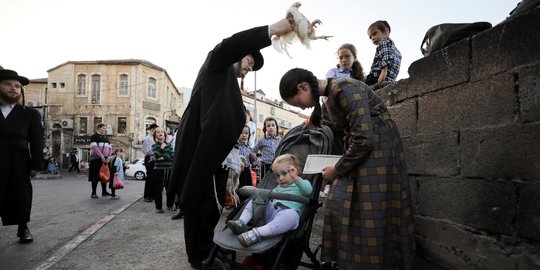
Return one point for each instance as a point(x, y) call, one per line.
point(508, 45)
point(507, 152)
point(446, 67)
point(404, 114)
point(432, 154)
point(483, 204)
point(458, 247)
point(529, 93)
point(473, 105)
point(528, 221)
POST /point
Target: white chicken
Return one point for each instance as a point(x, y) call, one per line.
point(303, 30)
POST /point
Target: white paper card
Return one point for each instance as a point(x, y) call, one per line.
point(315, 163)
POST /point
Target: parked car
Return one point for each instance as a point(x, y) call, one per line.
point(136, 169)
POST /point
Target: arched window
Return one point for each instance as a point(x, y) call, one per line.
point(148, 121)
point(96, 88)
point(81, 85)
point(152, 89)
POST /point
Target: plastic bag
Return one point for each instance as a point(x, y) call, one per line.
point(104, 173)
point(118, 184)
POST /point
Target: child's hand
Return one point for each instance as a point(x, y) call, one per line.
point(382, 76)
point(293, 172)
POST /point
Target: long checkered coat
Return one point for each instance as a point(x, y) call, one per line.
point(368, 222)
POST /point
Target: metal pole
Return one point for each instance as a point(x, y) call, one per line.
point(255, 116)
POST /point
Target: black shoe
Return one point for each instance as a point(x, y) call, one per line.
point(94, 196)
point(106, 194)
point(178, 216)
point(148, 200)
point(25, 236)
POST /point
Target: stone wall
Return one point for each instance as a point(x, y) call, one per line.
point(469, 116)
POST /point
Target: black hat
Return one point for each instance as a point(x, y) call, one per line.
point(259, 60)
point(152, 126)
point(6, 74)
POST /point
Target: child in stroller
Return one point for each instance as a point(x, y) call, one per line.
point(281, 215)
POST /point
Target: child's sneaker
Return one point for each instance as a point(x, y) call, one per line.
point(249, 238)
point(115, 197)
point(236, 226)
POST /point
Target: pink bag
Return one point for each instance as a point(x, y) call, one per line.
point(118, 183)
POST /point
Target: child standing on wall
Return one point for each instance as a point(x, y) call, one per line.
point(387, 60)
point(281, 216)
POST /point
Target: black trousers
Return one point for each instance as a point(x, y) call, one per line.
point(74, 166)
point(93, 176)
point(149, 165)
point(199, 223)
point(158, 182)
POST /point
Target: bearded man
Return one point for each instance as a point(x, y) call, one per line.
point(210, 126)
point(21, 146)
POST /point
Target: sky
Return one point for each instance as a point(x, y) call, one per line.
point(176, 35)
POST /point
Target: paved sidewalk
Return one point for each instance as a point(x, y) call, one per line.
point(135, 237)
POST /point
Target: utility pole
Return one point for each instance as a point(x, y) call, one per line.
point(255, 116)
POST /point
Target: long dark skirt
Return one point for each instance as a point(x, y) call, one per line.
point(368, 219)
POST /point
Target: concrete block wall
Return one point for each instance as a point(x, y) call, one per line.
point(469, 116)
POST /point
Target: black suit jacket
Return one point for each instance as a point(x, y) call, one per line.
point(21, 150)
point(214, 117)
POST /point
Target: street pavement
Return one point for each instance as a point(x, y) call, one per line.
point(73, 231)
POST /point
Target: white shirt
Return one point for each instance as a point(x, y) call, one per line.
point(147, 146)
point(6, 109)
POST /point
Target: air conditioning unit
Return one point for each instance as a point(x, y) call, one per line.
point(34, 104)
point(67, 123)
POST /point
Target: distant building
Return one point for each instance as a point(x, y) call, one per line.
point(127, 95)
point(262, 107)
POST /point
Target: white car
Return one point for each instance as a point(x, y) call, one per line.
point(136, 169)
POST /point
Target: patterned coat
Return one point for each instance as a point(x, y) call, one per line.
point(368, 222)
point(21, 150)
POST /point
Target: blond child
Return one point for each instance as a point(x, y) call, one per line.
point(281, 215)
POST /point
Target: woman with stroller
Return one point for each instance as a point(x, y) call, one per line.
point(281, 216)
point(368, 219)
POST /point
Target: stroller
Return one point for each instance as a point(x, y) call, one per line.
point(299, 142)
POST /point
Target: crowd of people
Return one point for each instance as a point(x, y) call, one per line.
point(214, 152)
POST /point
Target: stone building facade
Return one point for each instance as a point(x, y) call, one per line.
point(469, 116)
point(127, 95)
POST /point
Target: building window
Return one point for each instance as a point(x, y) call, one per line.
point(83, 125)
point(149, 121)
point(97, 120)
point(122, 125)
point(81, 85)
point(62, 85)
point(53, 85)
point(261, 118)
point(96, 89)
point(152, 91)
point(123, 85)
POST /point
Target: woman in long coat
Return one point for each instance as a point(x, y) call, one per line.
point(368, 221)
point(21, 150)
